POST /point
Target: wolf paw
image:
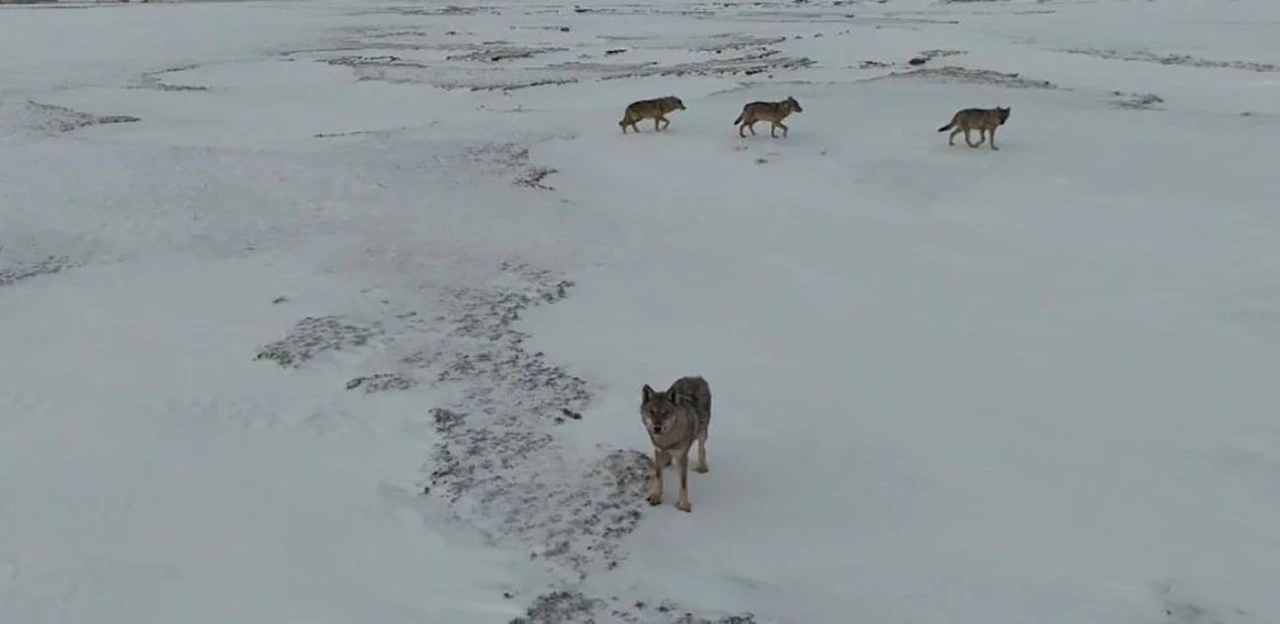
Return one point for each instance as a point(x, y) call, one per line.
point(655, 499)
point(702, 468)
point(684, 506)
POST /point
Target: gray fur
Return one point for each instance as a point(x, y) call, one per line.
point(674, 420)
point(699, 392)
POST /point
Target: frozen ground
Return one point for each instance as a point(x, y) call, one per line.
point(338, 311)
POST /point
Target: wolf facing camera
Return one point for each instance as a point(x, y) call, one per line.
point(674, 419)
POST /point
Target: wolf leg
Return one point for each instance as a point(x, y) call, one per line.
point(660, 459)
point(701, 466)
point(682, 464)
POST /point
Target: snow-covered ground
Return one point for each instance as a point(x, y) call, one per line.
point(339, 311)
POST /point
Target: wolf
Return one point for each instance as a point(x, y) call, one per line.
point(655, 109)
point(772, 112)
point(674, 419)
point(984, 120)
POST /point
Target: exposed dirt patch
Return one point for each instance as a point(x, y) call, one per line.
point(500, 466)
point(929, 55)
point(494, 54)
point(382, 382)
point(155, 80)
point(478, 79)
point(1185, 60)
point(1180, 608)
point(498, 463)
point(560, 607)
point(445, 77)
point(1138, 101)
point(58, 119)
point(18, 271)
point(534, 176)
point(312, 336)
point(512, 159)
point(745, 65)
point(952, 73)
point(727, 41)
point(384, 133)
point(573, 607)
point(504, 65)
point(445, 10)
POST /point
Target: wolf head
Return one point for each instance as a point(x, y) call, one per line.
point(676, 103)
point(795, 106)
point(659, 409)
point(1003, 113)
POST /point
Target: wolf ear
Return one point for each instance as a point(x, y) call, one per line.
point(646, 393)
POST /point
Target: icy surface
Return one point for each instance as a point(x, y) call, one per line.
point(339, 311)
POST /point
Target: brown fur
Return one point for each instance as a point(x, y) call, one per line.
point(674, 419)
point(984, 120)
point(772, 112)
point(655, 109)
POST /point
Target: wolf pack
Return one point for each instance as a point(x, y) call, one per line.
point(679, 416)
point(984, 120)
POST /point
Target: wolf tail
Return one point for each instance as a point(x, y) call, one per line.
point(947, 127)
point(738, 120)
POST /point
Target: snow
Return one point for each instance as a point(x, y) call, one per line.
point(349, 325)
